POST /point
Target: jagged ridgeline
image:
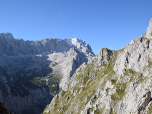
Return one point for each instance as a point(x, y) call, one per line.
point(113, 82)
point(33, 72)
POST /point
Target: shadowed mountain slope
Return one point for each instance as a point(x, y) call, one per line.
point(33, 72)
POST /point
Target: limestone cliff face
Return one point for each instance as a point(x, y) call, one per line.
point(149, 30)
point(13, 47)
point(113, 82)
point(33, 72)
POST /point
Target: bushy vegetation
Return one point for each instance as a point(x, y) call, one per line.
point(150, 109)
point(53, 81)
point(39, 81)
point(97, 111)
point(21, 79)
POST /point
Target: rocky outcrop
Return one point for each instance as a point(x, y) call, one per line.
point(146, 99)
point(113, 82)
point(74, 59)
point(149, 30)
point(33, 72)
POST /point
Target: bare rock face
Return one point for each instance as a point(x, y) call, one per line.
point(149, 30)
point(33, 72)
point(146, 99)
point(13, 47)
point(113, 82)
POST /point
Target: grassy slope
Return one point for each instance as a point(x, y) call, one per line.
point(89, 80)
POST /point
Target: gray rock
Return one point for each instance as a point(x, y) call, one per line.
point(112, 82)
point(146, 99)
point(149, 30)
point(33, 72)
point(13, 47)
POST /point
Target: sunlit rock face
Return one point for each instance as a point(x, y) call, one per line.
point(113, 82)
point(149, 30)
point(13, 47)
point(33, 72)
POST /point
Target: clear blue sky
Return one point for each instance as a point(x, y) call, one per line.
point(101, 23)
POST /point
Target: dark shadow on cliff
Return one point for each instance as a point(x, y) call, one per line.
point(26, 82)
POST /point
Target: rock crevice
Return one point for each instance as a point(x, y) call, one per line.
point(145, 101)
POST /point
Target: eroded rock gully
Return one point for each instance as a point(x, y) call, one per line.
point(145, 101)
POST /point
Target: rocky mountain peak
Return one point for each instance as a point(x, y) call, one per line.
point(77, 42)
point(6, 36)
point(113, 82)
point(14, 47)
point(149, 30)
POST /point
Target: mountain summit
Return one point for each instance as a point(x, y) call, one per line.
point(149, 30)
point(113, 82)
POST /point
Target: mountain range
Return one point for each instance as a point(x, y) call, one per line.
point(113, 82)
point(67, 74)
point(33, 72)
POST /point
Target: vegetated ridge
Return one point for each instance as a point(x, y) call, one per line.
point(113, 82)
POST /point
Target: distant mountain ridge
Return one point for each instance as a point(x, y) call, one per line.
point(14, 47)
point(33, 72)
